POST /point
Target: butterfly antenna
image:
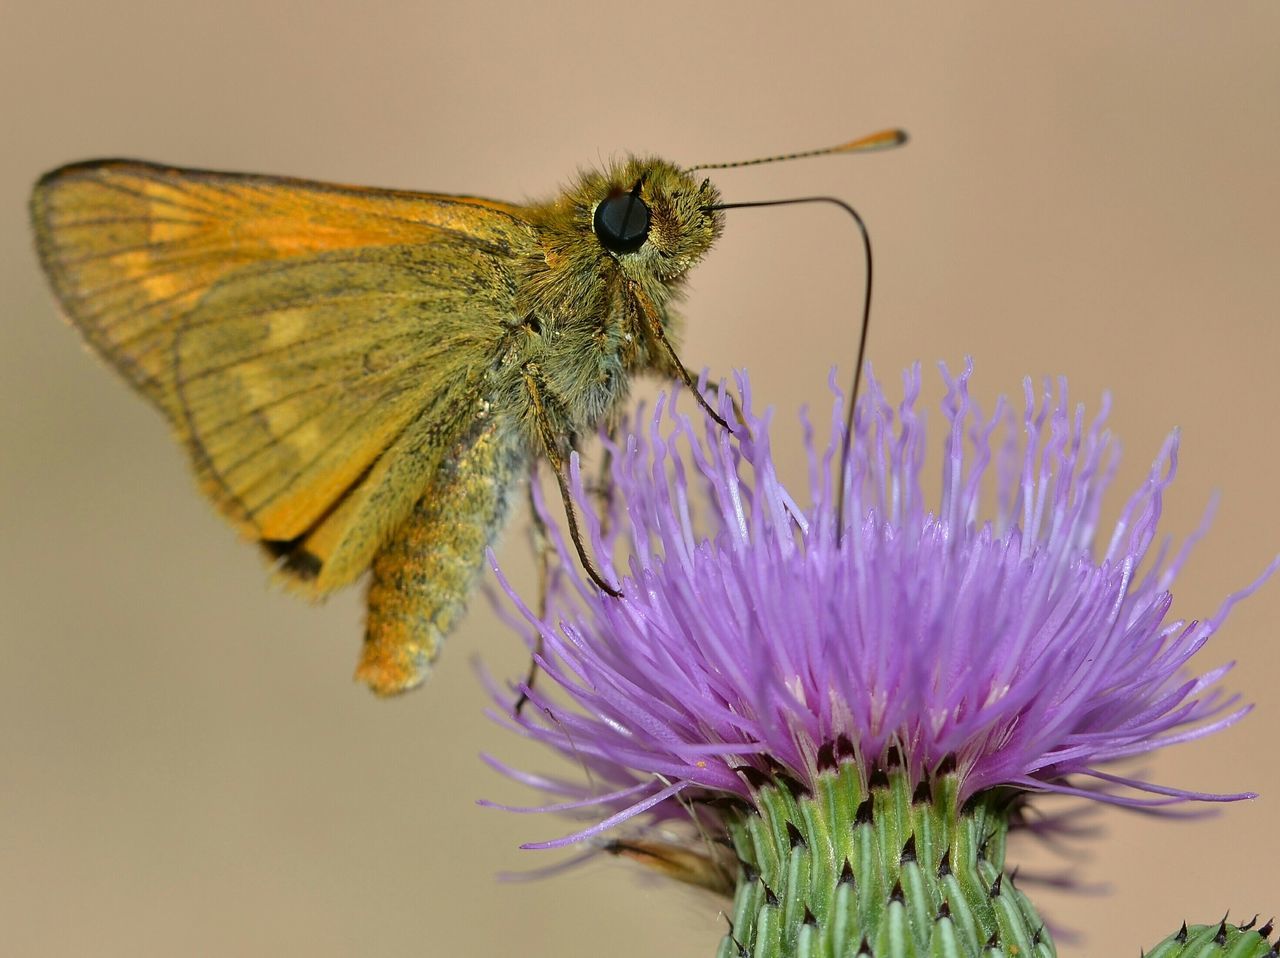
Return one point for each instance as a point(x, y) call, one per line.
point(884, 140)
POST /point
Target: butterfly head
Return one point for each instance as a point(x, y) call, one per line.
point(655, 218)
point(644, 217)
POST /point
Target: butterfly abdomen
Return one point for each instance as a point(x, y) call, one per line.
point(423, 574)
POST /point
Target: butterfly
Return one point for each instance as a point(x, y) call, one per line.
point(361, 376)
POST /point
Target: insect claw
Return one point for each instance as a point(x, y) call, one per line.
point(714, 415)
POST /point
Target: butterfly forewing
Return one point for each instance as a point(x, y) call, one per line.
point(130, 247)
point(315, 346)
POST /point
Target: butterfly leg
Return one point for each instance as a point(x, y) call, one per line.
point(543, 551)
point(669, 362)
point(551, 447)
point(423, 574)
point(720, 392)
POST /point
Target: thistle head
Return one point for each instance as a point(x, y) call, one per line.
point(989, 630)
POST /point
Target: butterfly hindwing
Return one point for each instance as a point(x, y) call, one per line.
point(321, 393)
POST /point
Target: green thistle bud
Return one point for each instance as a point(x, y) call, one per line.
point(1219, 941)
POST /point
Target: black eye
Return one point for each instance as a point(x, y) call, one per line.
point(622, 222)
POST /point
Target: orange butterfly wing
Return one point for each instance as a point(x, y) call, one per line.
point(279, 324)
point(130, 246)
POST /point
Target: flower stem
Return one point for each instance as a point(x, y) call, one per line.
point(844, 871)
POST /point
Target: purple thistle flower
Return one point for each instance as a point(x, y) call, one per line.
point(1013, 644)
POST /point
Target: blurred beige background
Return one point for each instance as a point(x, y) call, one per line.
point(186, 767)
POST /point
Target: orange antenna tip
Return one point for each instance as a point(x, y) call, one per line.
point(884, 140)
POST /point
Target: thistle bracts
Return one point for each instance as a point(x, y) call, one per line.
point(846, 870)
point(1219, 941)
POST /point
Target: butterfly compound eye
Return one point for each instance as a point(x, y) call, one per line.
point(622, 222)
